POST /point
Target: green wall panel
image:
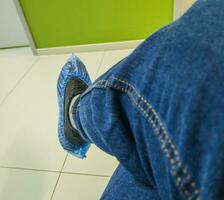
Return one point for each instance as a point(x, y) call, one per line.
point(73, 22)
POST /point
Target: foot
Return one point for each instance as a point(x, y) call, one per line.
point(73, 81)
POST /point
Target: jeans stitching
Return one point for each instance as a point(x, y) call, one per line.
point(177, 167)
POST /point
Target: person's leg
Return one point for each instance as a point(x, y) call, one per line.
point(115, 116)
point(160, 110)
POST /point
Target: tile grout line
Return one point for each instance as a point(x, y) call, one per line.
point(64, 162)
point(19, 81)
point(28, 169)
point(84, 174)
point(101, 62)
point(53, 171)
point(58, 177)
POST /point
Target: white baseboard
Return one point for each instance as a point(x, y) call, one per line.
point(181, 6)
point(91, 47)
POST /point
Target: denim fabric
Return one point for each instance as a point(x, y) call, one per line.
point(160, 111)
point(122, 178)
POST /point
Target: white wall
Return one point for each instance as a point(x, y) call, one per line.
point(11, 30)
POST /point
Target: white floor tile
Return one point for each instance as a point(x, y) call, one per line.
point(26, 185)
point(12, 68)
point(111, 58)
point(78, 187)
point(97, 162)
point(29, 116)
point(92, 61)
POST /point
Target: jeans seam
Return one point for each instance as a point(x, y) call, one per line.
point(182, 178)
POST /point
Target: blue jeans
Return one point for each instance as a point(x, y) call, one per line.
point(160, 112)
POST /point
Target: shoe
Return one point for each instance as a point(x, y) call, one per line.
point(73, 81)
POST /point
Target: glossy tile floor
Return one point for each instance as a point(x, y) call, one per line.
point(33, 166)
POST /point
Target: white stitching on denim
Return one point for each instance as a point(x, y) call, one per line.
point(167, 139)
